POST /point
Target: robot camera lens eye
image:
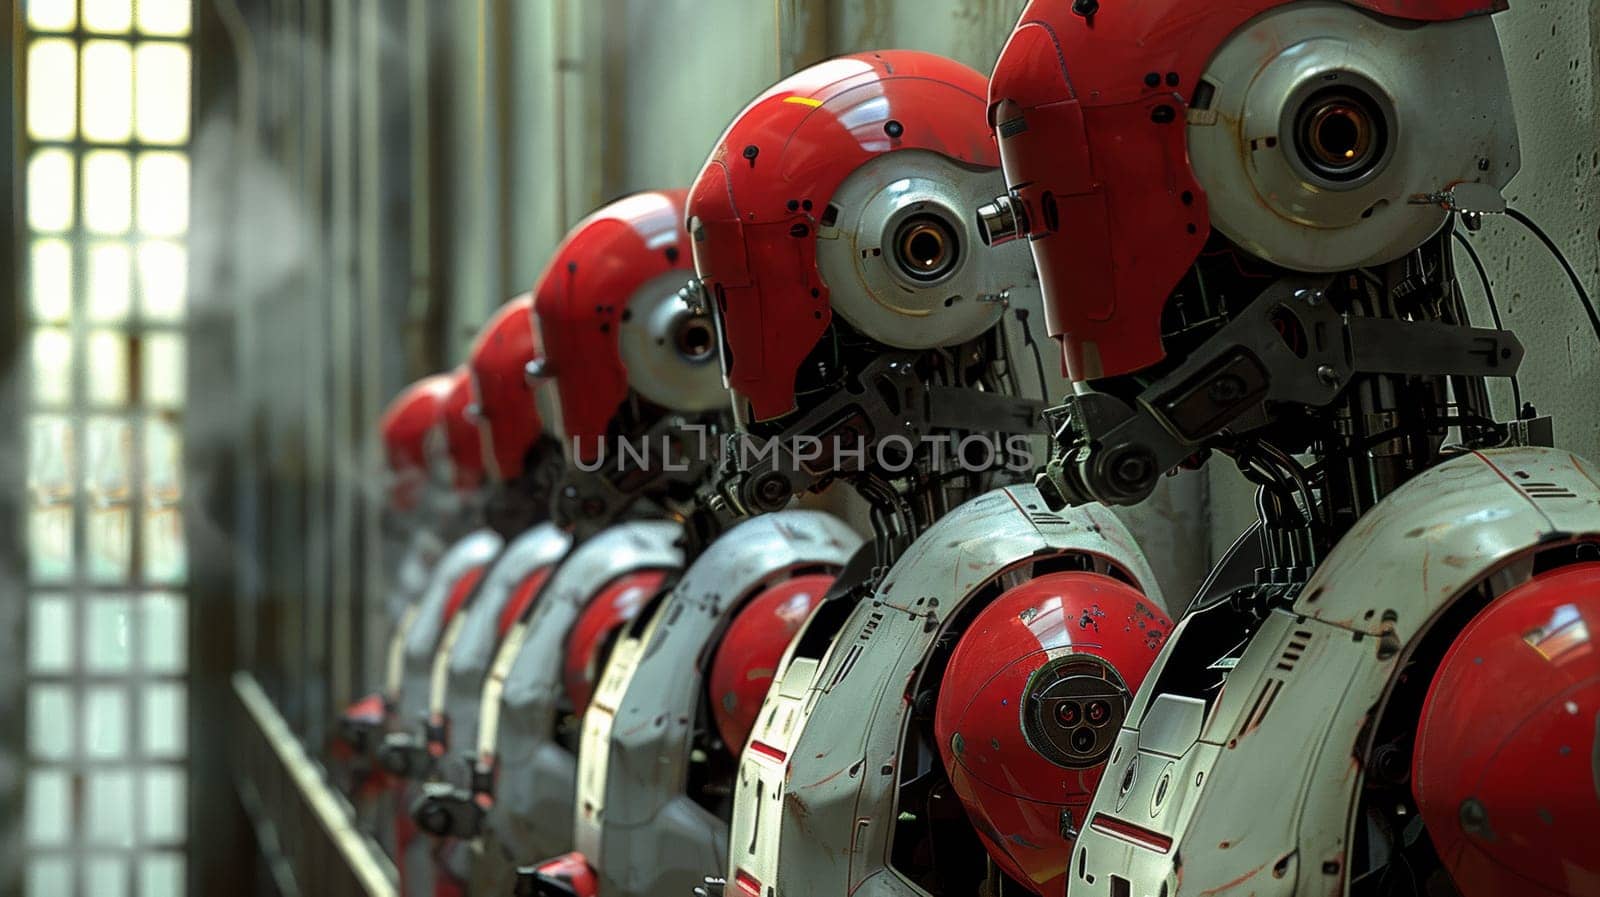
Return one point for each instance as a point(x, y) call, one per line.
point(1098, 712)
point(1340, 134)
point(1069, 713)
point(926, 248)
point(696, 339)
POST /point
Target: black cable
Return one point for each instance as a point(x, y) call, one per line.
point(1577, 285)
point(1038, 359)
point(1494, 310)
point(1297, 474)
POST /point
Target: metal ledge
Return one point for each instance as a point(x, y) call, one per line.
point(305, 828)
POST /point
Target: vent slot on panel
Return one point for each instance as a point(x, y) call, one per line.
point(1546, 490)
point(845, 667)
point(1045, 518)
point(1292, 653)
point(1263, 703)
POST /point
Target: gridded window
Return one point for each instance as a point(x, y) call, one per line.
point(104, 148)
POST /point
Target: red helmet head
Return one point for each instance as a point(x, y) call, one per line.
point(503, 405)
point(844, 189)
point(611, 317)
point(461, 433)
point(413, 439)
point(751, 648)
point(1506, 770)
point(589, 643)
point(1029, 708)
point(1303, 133)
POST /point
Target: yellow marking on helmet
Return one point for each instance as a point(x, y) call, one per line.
point(803, 101)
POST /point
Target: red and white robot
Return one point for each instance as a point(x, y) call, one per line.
point(1244, 214)
point(416, 468)
point(405, 753)
point(627, 380)
point(522, 461)
point(678, 696)
point(653, 765)
point(859, 308)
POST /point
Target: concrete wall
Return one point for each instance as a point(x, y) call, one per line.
point(677, 71)
point(1552, 49)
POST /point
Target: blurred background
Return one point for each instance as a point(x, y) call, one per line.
point(238, 227)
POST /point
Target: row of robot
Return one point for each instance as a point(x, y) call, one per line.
point(626, 662)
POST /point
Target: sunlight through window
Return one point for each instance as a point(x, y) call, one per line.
point(104, 125)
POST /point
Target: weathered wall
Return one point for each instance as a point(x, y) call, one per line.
point(969, 31)
point(675, 72)
point(1553, 52)
point(679, 70)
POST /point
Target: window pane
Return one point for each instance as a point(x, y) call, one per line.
point(108, 367)
point(52, 89)
point(166, 560)
point(164, 633)
point(50, 458)
point(49, 876)
point(109, 278)
point(163, 458)
point(165, 720)
point(50, 190)
point(161, 875)
point(52, 15)
point(110, 637)
point(161, 90)
point(110, 444)
point(49, 808)
point(50, 633)
point(163, 194)
point(108, 807)
point(164, 796)
point(163, 370)
point(164, 555)
point(108, 90)
point(105, 722)
point(52, 366)
point(114, 16)
point(50, 721)
point(110, 532)
point(169, 18)
point(50, 487)
point(50, 543)
point(163, 279)
point(50, 283)
point(106, 876)
point(107, 191)
point(108, 489)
